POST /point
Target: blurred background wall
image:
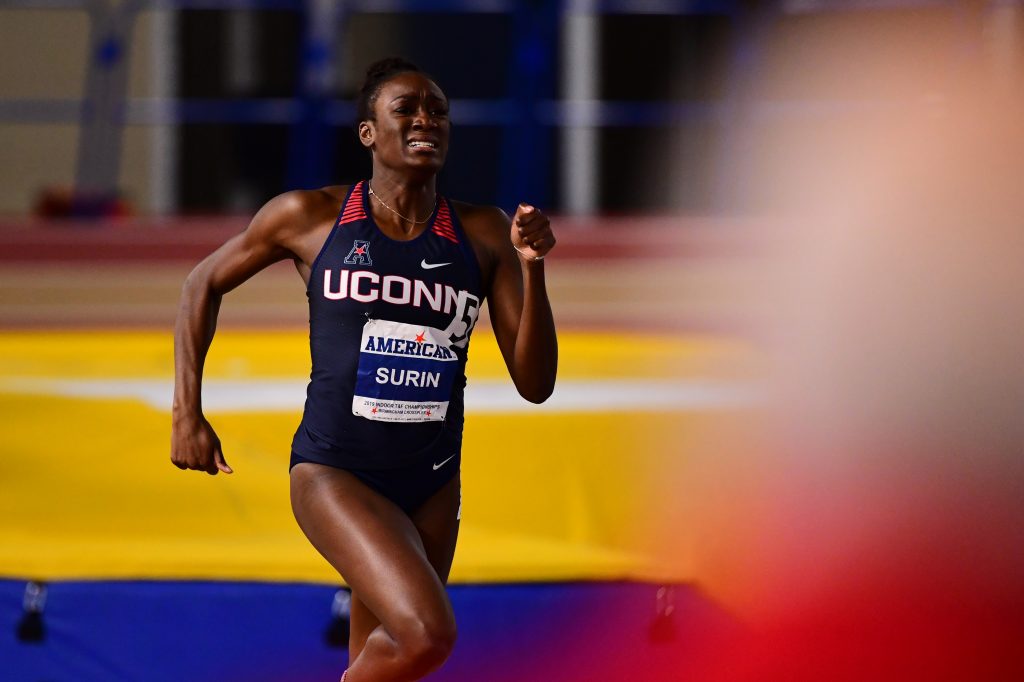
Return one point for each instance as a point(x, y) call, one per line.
point(582, 106)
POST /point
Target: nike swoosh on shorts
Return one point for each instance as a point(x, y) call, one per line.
point(438, 466)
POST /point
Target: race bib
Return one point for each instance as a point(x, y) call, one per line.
point(405, 373)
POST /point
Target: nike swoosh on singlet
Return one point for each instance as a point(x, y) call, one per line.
point(430, 266)
point(438, 466)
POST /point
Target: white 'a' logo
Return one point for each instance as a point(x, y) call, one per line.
point(359, 254)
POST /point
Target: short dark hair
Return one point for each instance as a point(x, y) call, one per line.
point(379, 73)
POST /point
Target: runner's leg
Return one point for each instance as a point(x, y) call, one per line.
point(379, 552)
point(438, 526)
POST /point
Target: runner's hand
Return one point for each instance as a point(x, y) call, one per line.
point(195, 445)
point(531, 232)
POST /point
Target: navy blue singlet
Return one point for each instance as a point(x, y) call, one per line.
point(389, 328)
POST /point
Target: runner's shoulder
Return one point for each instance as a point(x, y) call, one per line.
point(481, 221)
point(298, 211)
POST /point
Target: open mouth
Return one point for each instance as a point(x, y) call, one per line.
point(422, 144)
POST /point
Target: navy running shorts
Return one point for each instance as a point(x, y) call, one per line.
point(410, 486)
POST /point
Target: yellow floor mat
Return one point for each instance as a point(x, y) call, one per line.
point(550, 493)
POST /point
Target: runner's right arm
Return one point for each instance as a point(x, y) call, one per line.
point(194, 444)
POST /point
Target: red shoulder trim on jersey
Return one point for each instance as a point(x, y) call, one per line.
point(353, 210)
point(443, 223)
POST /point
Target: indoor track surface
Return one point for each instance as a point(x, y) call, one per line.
point(156, 574)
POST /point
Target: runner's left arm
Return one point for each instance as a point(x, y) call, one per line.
point(518, 301)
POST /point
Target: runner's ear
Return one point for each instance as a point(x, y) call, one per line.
point(366, 133)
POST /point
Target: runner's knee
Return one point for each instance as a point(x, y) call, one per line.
point(427, 643)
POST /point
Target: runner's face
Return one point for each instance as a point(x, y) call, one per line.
point(411, 127)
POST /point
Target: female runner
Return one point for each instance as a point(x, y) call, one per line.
point(395, 275)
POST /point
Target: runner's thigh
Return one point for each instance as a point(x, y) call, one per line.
point(373, 545)
point(438, 526)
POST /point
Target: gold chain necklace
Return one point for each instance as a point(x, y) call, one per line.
point(408, 220)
